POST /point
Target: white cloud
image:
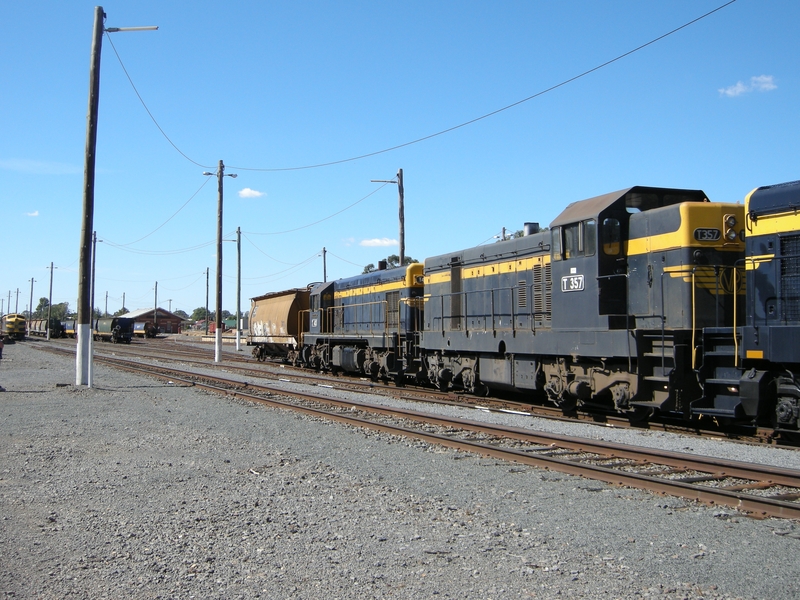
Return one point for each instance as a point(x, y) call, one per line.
point(760, 83)
point(36, 167)
point(376, 242)
point(248, 193)
point(32, 214)
point(349, 241)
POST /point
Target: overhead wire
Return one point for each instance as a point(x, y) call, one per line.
point(444, 131)
point(338, 212)
point(205, 181)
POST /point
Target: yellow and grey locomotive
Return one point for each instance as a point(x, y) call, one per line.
point(599, 310)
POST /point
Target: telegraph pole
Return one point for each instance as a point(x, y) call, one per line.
point(324, 265)
point(85, 311)
point(155, 309)
point(401, 200)
point(401, 203)
point(206, 300)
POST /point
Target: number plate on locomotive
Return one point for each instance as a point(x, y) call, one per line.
point(704, 234)
point(572, 283)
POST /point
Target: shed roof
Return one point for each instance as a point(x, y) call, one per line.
point(141, 312)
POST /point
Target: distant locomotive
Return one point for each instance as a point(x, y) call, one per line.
point(14, 326)
point(145, 330)
point(646, 300)
point(68, 328)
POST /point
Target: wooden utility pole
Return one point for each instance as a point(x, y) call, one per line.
point(85, 308)
point(155, 309)
point(402, 217)
point(401, 200)
point(324, 265)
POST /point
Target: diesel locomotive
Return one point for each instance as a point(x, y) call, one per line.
point(751, 369)
point(14, 326)
point(646, 300)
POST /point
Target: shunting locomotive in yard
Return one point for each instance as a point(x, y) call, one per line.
point(644, 301)
point(14, 326)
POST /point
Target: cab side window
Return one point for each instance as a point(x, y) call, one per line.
point(612, 237)
point(556, 243)
point(580, 239)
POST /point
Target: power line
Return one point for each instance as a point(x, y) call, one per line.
point(320, 220)
point(442, 132)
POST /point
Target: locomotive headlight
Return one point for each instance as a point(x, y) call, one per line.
point(731, 235)
point(730, 221)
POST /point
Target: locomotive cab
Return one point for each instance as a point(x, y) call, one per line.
point(604, 256)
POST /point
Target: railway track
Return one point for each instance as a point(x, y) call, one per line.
point(757, 490)
point(169, 350)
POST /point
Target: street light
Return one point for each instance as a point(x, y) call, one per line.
point(83, 327)
point(238, 241)
point(30, 307)
point(218, 334)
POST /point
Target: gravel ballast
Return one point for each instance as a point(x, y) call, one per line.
point(141, 489)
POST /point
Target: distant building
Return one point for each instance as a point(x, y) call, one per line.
point(163, 319)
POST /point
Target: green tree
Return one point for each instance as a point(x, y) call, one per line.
point(392, 261)
point(182, 314)
point(41, 310)
point(199, 314)
point(121, 311)
point(60, 311)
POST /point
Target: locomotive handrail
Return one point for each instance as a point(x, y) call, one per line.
point(357, 323)
point(464, 313)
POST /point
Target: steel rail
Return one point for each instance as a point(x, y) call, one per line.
point(756, 506)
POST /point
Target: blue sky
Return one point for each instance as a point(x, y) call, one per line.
point(270, 87)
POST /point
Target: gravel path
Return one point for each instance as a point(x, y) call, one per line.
point(140, 489)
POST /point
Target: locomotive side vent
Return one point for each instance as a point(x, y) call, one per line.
point(790, 277)
point(522, 295)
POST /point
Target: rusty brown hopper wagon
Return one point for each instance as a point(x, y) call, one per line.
point(275, 323)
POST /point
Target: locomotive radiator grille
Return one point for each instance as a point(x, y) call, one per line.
point(790, 277)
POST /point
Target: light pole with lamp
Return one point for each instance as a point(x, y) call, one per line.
point(50, 301)
point(238, 241)
point(30, 307)
point(83, 327)
point(218, 333)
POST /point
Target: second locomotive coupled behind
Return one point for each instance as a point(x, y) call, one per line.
point(646, 300)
